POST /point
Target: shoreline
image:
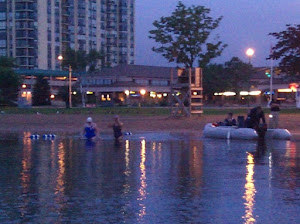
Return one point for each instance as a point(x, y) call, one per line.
point(70, 124)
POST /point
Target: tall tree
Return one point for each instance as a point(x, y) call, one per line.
point(183, 36)
point(77, 59)
point(63, 94)
point(93, 58)
point(211, 85)
point(9, 82)
point(238, 74)
point(41, 92)
point(234, 76)
point(287, 50)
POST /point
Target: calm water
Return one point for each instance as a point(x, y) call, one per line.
point(155, 179)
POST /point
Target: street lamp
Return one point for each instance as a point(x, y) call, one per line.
point(60, 58)
point(250, 53)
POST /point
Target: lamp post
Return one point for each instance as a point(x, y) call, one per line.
point(249, 53)
point(60, 58)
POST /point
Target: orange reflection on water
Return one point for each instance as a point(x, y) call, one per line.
point(26, 161)
point(197, 165)
point(127, 160)
point(60, 186)
point(142, 190)
point(25, 175)
point(250, 192)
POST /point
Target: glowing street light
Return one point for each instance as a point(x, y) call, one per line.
point(250, 52)
point(143, 92)
point(127, 92)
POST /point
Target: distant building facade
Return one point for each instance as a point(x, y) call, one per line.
point(35, 32)
point(129, 84)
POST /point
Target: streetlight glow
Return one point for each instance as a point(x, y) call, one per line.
point(250, 52)
point(143, 92)
point(60, 57)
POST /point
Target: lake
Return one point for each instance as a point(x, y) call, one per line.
point(148, 178)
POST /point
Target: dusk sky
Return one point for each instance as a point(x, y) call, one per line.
point(245, 24)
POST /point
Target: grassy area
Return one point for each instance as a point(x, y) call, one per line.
point(131, 111)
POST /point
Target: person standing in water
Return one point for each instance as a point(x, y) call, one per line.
point(274, 118)
point(90, 130)
point(117, 128)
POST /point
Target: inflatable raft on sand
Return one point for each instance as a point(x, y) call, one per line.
point(232, 132)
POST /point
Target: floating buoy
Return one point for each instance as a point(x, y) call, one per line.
point(49, 136)
point(34, 136)
point(127, 133)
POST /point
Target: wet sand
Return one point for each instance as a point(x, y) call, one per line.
point(71, 124)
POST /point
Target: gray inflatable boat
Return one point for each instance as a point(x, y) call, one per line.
point(232, 132)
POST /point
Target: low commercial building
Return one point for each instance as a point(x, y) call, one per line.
point(56, 79)
point(128, 85)
point(260, 89)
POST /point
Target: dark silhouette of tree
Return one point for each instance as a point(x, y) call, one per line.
point(63, 94)
point(287, 50)
point(41, 92)
point(213, 80)
point(183, 36)
point(79, 60)
point(9, 82)
point(237, 74)
point(234, 76)
point(93, 58)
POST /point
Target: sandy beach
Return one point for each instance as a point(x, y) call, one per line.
point(72, 123)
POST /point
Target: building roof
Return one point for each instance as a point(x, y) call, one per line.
point(142, 71)
point(35, 72)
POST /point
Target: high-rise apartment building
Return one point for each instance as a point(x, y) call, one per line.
point(35, 32)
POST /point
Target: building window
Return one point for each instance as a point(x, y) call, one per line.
point(3, 52)
point(2, 43)
point(2, 25)
point(2, 15)
point(142, 81)
point(160, 82)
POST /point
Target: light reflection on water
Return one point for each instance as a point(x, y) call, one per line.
point(250, 191)
point(143, 184)
point(149, 181)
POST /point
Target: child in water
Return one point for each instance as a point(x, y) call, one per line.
point(117, 128)
point(90, 130)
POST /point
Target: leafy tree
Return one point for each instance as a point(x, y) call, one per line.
point(93, 58)
point(287, 49)
point(183, 36)
point(63, 94)
point(9, 82)
point(237, 74)
point(234, 75)
point(213, 74)
point(41, 92)
point(77, 59)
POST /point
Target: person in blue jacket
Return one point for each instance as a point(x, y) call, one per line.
point(90, 130)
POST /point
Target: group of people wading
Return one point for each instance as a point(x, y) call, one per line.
point(255, 119)
point(91, 132)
